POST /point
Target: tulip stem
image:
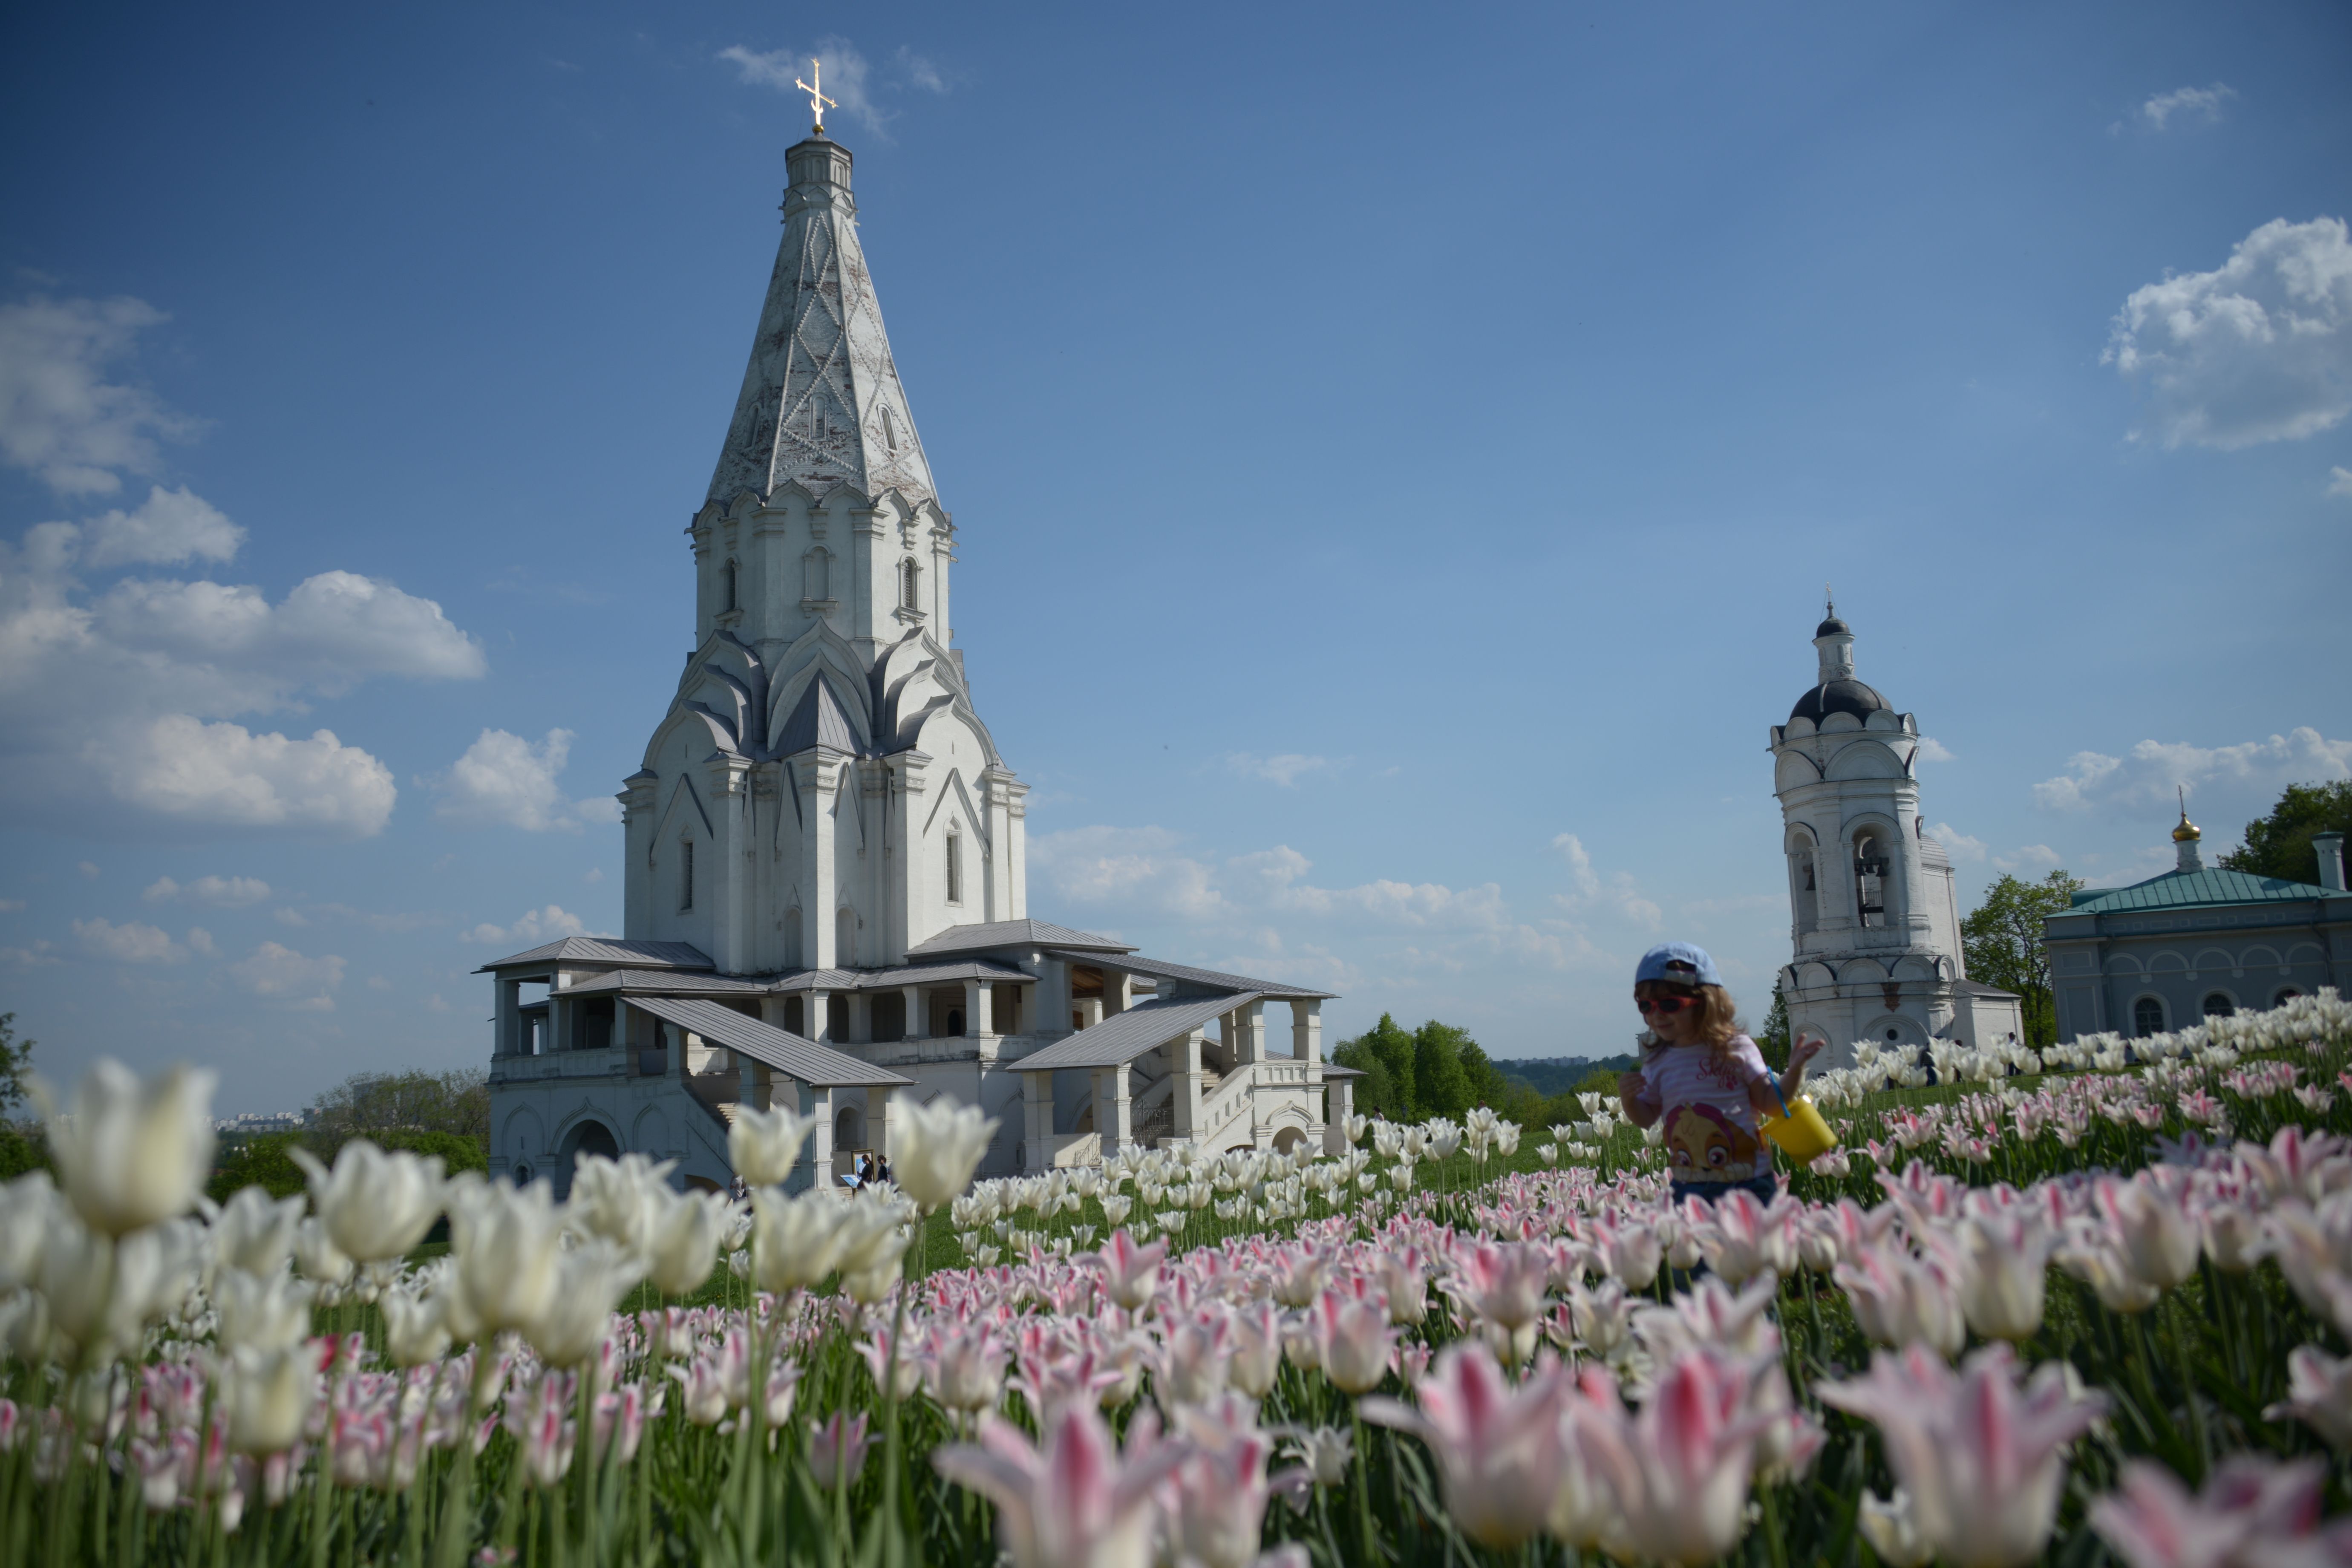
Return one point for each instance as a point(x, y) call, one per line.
point(1364, 1492)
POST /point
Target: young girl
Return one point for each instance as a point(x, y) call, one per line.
point(1703, 1077)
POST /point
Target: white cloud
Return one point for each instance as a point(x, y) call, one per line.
point(2257, 350)
point(846, 76)
point(2189, 102)
point(535, 927)
point(170, 527)
point(284, 976)
point(212, 892)
point(87, 869)
point(224, 775)
point(61, 418)
point(133, 942)
point(200, 941)
point(919, 71)
point(1286, 770)
point(378, 983)
point(1931, 750)
point(32, 957)
point(595, 874)
point(291, 917)
point(1957, 844)
point(2340, 482)
point(2147, 780)
point(117, 686)
point(505, 781)
point(1614, 896)
point(10, 906)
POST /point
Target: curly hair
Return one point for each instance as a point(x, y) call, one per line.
point(1718, 1014)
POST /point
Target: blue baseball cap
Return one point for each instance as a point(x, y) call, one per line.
point(1677, 963)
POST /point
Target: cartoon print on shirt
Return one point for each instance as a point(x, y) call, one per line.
point(1707, 1145)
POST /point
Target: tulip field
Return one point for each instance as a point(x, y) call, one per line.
point(2089, 1306)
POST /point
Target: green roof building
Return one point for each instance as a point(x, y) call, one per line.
point(2197, 940)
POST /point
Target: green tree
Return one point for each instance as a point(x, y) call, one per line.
point(1772, 1039)
point(260, 1160)
point(15, 1061)
point(2280, 844)
point(1383, 1054)
point(1440, 1085)
point(2002, 940)
point(376, 1105)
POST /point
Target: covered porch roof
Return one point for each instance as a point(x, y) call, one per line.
point(803, 1060)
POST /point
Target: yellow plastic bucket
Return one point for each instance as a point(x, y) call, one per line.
point(1801, 1134)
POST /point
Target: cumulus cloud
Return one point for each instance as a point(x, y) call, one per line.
point(212, 892)
point(180, 770)
point(284, 976)
point(168, 529)
point(1286, 770)
point(536, 926)
point(2146, 779)
point(2032, 859)
point(505, 781)
point(2189, 103)
point(60, 416)
point(849, 79)
point(133, 942)
point(39, 954)
point(1931, 750)
point(1590, 893)
point(1957, 844)
point(2257, 350)
point(2340, 482)
point(200, 941)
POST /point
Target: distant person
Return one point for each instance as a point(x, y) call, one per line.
point(1703, 1077)
point(882, 1171)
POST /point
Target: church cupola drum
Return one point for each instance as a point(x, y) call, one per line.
point(1874, 918)
point(821, 793)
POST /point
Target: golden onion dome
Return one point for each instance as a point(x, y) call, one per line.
point(2187, 832)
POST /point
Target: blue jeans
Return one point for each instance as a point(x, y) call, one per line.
point(1763, 1188)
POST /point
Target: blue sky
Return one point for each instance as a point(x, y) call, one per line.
point(1397, 454)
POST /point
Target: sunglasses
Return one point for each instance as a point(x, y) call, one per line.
point(1667, 1005)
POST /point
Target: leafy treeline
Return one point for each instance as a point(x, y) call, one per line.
point(2002, 938)
point(446, 1113)
point(1549, 1076)
point(2280, 844)
point(1439, 1070)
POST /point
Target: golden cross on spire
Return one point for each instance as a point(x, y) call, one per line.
point(818, 102)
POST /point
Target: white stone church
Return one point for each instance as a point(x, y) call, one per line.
point(826, 893)
point(1877, 921)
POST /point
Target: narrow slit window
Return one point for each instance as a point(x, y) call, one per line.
point(731, 588)
point(685, 875)
point(908, 589)
point(955, 868)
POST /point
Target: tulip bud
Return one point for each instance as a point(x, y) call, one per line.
point(131, 1154)
point(374, 1205)
point(765, 1146)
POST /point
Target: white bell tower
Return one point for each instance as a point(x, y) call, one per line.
point(1875, 920)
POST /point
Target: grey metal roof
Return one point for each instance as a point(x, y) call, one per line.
point(1123, 1036)
point(817, 720)
point(1333, 1069)
point(609, 950)
point(805, 1060)
point(631, 980)
point(982, 969)
point(1013, 933)
point(1159, 969)
point(1974, 988)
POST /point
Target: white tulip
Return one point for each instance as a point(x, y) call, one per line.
point(874, 1238)
point(256, 1232)
point(267, 1396)
point(686, 1243)
point(796, 1242)
point(131, 1154)
point(626, 1200)
point(24, 1326)
point(590, 1278)
point(265, 1312)
point(941, 1145)
point(507, 1245)
point(765, 1146)
point(316, 1256)
point(100, 1291)
point(25, 1205)
point(415, 1326)
point(374, 1205)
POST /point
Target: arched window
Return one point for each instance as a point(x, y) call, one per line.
point(1804, 891)
point(2148, 1018)
point(844, 939)
point(685, 874)
point(955, 876)
point(731, 603)
point(1870, 871)
point(909, 584)
point(2218, 1006)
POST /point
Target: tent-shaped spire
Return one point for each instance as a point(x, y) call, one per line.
point(821, 404)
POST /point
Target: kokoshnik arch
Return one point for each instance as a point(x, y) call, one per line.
point(826, 898)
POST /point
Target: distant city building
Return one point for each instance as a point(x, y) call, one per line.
point(258, 1121)
point(826, 894)
point(1877, 923)
point(2199, 940)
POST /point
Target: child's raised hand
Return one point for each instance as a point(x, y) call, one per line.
point(1809, 1046)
